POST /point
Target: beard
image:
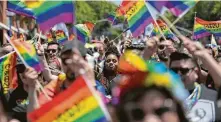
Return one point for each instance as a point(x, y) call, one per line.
point(162, 56)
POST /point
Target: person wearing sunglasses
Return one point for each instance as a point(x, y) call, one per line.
point(201, 103)
point(165, 48)
point(52, 56)
point(149, 104)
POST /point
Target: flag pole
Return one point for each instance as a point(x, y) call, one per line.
point(26, 65)
point(194, 24)
point(157, 24)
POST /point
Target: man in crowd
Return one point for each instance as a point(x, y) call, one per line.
point(201, 104)
point(52, 56)
point(165, 48)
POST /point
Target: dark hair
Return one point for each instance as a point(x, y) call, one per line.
point(112, 50)
point(137, 46)
point(52, 43)
point(136, 94)
point(179, 56)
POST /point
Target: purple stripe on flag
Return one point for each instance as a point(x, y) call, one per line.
point(65, 17)
point(141, 28)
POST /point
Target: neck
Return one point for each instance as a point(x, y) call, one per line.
point(109, 74)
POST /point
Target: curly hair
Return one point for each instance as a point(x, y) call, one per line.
point(112, 50)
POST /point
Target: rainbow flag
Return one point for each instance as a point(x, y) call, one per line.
point(112, 18)
point(204, 28)
point(84, 31)
point(27, 53)
point(47, 13)
point(178, 8)
point(61, 37)
point(164, 28)
point(19, 8)
point(79, 103)
point(49, 37)
point(8, 74)
point(137, 15)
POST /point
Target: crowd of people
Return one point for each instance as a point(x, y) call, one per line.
point(198, 66)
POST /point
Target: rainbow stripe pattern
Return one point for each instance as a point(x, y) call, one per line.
point(204, 28)
point(178, 8)
point(164, 28)
point(112, 18)
point(76, 104)
point(137, 15)
point(47, 13)
point(27, 53)
point(61, 37)
point(8, 74)
point(84, 31)
point(147, 73)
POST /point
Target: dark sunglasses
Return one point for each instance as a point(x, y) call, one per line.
point(51, 50)
point(111, 60)
point(182, 70)
point(161, 47)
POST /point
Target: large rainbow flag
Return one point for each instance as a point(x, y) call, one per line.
point(8, 74)
point(84, 31)
point(27, 53)
point(178, 8)
point(204, 28)
point(47, 13)
point(137, 15)
point(79, 103)
point(164, 28)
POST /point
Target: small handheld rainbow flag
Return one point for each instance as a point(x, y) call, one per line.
point(26, 51)
point(8, 74)
point(61, 37)
point(79, 103)
point(178, 8)
point(164, 28)
point(47, 13)
point(49, 37)
point(137, 15)
point(204, 28)
point(84, 31)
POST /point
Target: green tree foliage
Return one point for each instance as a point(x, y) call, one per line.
point(94, 11)
point(207, 10)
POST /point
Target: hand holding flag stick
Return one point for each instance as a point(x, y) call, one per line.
point(33, 60)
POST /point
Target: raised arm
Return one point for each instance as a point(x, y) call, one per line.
point(211, 64)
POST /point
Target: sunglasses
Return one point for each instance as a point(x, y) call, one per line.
point(137, 114)
point(161, 47)
point(51, 50)
point(111, 60)
point(182, 70)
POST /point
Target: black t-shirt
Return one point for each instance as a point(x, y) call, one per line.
point(15, 102)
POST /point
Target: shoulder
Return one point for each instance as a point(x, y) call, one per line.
point(208, 94)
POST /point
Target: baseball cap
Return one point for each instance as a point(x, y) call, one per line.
point(68, 46)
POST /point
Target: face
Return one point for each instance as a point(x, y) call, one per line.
point(187, 70)
point(111, 62)
point(153, 107)
point(52, 50)
point(165, 48)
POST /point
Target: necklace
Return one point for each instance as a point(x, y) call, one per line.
point(194, 97)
